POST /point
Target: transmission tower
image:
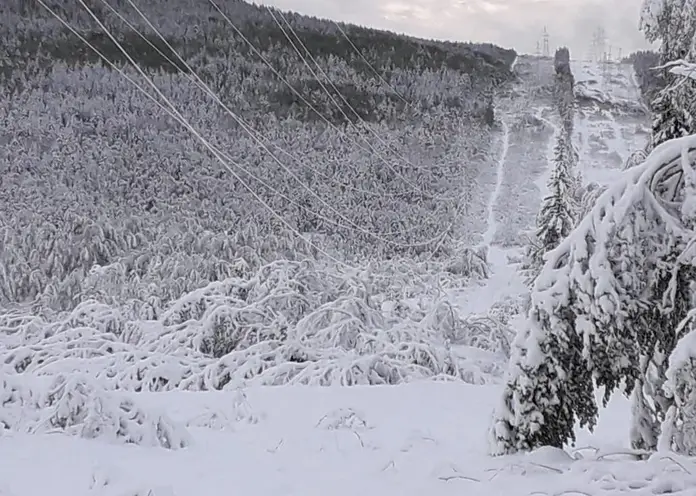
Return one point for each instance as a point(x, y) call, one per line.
point(547, 48)
point(599, 42)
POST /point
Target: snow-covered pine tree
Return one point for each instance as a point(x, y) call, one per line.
point(556, 217)
point(558, 210)
point(605, 309)
point(673, 24)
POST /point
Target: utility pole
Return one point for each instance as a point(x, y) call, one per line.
point(599, 41)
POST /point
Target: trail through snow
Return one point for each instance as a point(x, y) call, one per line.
point(505, 284)
point(492, 224)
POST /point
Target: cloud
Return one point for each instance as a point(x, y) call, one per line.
point(510, 23)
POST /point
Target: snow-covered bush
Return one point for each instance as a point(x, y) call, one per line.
point(79, 407)
point(288, 322)
point(16, 400)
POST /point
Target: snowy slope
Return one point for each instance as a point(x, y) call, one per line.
point(611, 123)
point(412, 439)
point(528, 127)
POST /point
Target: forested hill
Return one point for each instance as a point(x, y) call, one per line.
point(315, 147)
point(198, 31)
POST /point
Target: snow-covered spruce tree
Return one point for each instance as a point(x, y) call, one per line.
point(673, 24)
point(678, 431)
point(604, 309)
point(556, 216)
point(558, 211)
point(564, 98)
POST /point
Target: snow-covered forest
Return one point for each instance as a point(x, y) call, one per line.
point(290, 218)
point(279, 254)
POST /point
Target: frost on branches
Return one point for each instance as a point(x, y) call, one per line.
point(79, 407)
point(679, 427)
point(558, 210)
point(605, 309)
point(287, 323)
point(673, 24)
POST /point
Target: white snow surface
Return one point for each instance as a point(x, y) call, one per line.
point(611, 122)
point(411, 439)
point(414, 439)
point(426, 437)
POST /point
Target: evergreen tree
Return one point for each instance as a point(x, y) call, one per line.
point(564, 89)
point(557, 214)
point(673, 117)
point(614, 299)
point(556, 217)
point(673, 24)
point(606, 310)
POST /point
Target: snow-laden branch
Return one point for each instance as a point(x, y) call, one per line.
point(79, 407)
point(287, 323)
point(589, 322)
point(681, 68)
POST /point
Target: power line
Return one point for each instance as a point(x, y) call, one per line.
point(384, 81)
point(309, 55)
point(369, 148)
point(177, 115)
point(222, 157)
point(192, 76)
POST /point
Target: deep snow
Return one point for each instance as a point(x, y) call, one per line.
point(425, 438)
point(611, 121)
point(418, 438)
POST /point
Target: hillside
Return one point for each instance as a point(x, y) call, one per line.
point(292, 211)
point(315, 126)
point(245, 250)
point(78, 375)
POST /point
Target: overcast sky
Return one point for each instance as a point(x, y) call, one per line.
point(510, 23)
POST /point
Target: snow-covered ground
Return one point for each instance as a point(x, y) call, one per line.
point(426, 438)
point(611, 121)
point(528, 127)
point(418, 438)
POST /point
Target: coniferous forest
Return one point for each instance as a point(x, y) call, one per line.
point(211, 211)
point(243, 176)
